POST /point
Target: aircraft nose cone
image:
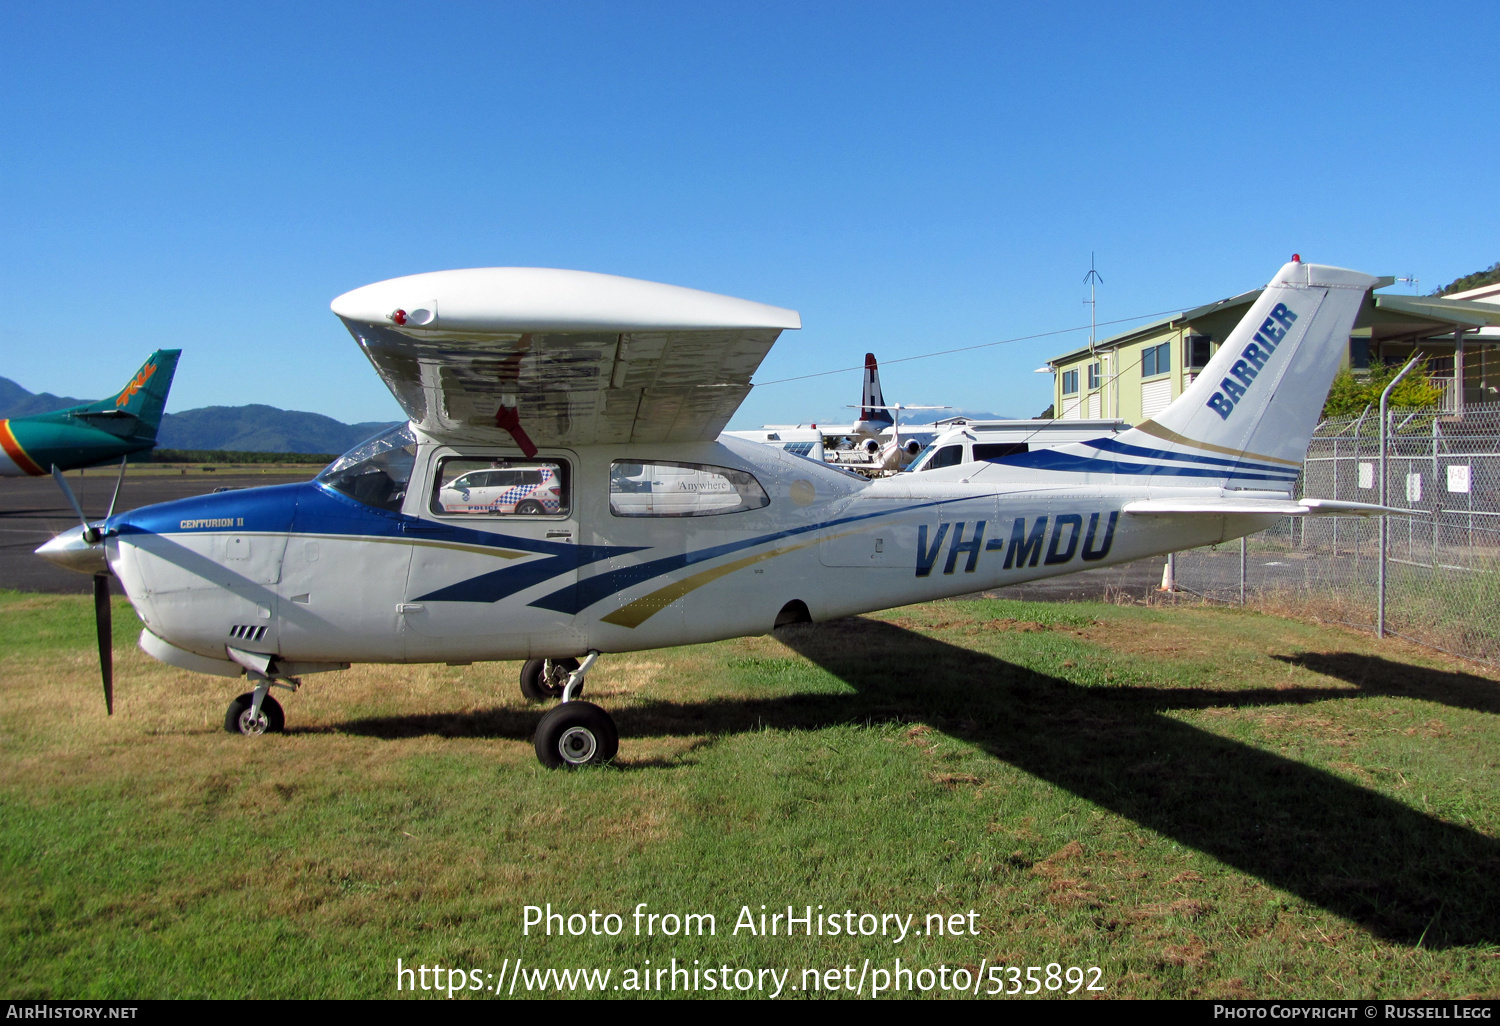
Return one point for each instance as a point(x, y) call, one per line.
point(72, 551)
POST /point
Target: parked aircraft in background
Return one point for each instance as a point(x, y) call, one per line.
point(875, 445)
point(82, 436)
point(797, 439)
point(878, 445)
point(664, 533)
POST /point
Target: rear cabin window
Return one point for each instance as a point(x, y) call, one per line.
point(641, 489)
point(466, 486)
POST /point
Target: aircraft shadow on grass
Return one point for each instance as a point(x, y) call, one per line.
point(1401, 874)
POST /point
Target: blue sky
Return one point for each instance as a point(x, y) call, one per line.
point(910, 177)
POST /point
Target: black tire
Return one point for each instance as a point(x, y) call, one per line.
point(539, 685)
point(576, 734)
point(529, 508)
point(237, 720)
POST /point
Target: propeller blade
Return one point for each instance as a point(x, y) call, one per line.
point(106, 639)
point(119, 483)
point(62, 482)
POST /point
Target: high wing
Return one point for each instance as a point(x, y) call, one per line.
point(576, 358)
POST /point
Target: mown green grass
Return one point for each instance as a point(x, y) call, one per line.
point(1201, 802)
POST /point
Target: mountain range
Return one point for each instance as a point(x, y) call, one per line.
point(232, 428)
point(259, 428)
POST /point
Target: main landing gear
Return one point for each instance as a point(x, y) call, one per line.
point(575, 733)
point(543, 680)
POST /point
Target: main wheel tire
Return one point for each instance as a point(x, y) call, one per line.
point(543, 683)
point(237, 720)
point(576, 734)
point(529, 508)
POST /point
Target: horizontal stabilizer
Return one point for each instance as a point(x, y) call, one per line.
point(1261, 507)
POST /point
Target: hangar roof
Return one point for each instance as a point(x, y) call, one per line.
point(1385, 316)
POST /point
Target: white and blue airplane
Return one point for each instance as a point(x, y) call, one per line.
point(606, 397)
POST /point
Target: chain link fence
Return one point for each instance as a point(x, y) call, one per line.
point(1442, 565)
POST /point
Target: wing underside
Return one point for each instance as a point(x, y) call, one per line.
point(571, 388)
point(578, 358)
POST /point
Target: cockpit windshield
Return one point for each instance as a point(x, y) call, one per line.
point(377, 471)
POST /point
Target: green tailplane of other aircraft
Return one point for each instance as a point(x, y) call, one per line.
point(81, 436)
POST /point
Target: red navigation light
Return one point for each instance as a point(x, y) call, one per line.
point(1296, 258)
point(399, 316)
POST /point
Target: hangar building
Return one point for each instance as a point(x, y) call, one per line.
point(1135, 374)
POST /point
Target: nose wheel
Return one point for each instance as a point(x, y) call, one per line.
point(244, 718)
point(255, 712)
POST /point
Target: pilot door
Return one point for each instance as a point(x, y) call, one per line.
point(494, 557)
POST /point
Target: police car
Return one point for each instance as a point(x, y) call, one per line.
point(534, 490)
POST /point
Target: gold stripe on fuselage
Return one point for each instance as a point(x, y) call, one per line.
point(635, 613)
point(1151, 427)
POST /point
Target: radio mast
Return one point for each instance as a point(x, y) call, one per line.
point(1093, 280)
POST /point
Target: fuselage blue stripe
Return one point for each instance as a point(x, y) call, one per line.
point(1052, 459)
point(1125, 449)
point(596, 589)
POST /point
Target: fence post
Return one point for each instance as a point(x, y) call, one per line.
point(1242, 569)
point(1385, 422)
point(1435, 499)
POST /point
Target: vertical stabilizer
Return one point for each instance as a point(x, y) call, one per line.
point(1253, 409)
point(872, 410)
point(145, 395)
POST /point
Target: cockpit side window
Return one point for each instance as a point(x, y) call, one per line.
point(377, 471)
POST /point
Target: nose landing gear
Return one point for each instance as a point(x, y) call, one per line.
point(244, 718)
point(256, 712)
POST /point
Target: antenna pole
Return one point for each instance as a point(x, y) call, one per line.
point(1092, 280)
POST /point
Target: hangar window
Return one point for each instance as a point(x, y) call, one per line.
point(1359, 353)
point(660, 489)
point(1156, 360)
point(466, 486)
point(1199, 351)
point(376, 471)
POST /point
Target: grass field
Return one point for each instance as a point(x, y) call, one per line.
point(1200, 802)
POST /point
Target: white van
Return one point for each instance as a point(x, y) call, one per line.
point(967, 441)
